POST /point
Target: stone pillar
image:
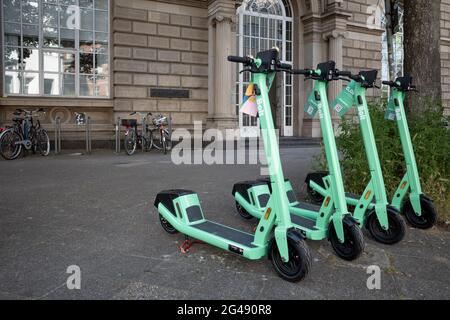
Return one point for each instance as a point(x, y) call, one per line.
point(222, 111)
point(335, 53)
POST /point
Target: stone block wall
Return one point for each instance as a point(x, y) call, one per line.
point(445, 54)
point(160, 45)
point(362, 46)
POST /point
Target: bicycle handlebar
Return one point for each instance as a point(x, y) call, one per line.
point(30, 112)
point(140, 113)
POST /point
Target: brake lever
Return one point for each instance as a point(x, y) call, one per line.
point(245, 70)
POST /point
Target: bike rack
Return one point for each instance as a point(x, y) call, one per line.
point(169, 119)
point(57, 135)
point(117, 131)
point(88, 135)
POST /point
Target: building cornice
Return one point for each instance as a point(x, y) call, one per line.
point(360, 27)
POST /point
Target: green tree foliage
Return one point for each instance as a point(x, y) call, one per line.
point(431, 141)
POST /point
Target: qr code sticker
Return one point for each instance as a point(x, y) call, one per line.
point(338, 107)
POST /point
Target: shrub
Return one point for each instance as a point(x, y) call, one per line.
point(431, 142)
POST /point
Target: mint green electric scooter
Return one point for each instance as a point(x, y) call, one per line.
point(275, 236)
point(418, 209)
point(372, 209)
point(329, 220)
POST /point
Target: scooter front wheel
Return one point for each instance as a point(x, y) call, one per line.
point(396, 231)
point(353, 245)
point(242, 212)
point(166, 225)
point(428, 217)
point(299, 262)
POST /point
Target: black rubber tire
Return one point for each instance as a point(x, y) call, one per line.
point(299, 259)
point(353, 245)
point(167, 226)
point(242, 212)
point(43, 142)
point(396, 231)
point(5, 140)
point(315, 197)
point(130, 142)
point(424, 221)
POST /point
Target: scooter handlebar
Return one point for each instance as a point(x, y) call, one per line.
point(305, 72)
point(238, 59)
point(343, 73)
point(284, 66)
point(388, 83)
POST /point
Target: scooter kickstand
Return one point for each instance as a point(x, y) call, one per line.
point(187, 244)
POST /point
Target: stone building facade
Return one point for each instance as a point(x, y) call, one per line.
point(169, 57)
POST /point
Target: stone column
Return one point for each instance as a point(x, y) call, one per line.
point(222, 111)
point(335, 53)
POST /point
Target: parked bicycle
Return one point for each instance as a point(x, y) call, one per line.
point(25, 134)
point(158, 137)
point(161, 137)
point(133, 137)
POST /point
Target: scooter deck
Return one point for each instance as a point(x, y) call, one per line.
point(182, 210)
point(225, 232)
point(303, 222)
point(256, 195)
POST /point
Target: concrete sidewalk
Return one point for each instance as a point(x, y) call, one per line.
point(97, 212)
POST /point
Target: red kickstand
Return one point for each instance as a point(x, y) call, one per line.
point(187, 244)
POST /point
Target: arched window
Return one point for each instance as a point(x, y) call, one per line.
point(264, 24)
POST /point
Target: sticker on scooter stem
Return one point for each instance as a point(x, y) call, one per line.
point(312, 105)
point(390, 111)
point(344, 101)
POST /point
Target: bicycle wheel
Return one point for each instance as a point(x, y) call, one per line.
point(130, 142)
point(42, 142)
point(168, 140)
point(148, 140)
point(9, 148)
point(157, 141)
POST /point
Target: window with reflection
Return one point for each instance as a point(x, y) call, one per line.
point(56, 47)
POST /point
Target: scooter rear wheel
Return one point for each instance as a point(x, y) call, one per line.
point(299, 262)
point(242, 212)
point(428, 217)
point(353, 245)
point(167, 226)
point(396, 231)
point(315, 196)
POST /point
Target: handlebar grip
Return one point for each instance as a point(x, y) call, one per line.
point(343, 73)
point(284, 66)
point(305, 72)
point(388, 83)
point(238, 59)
